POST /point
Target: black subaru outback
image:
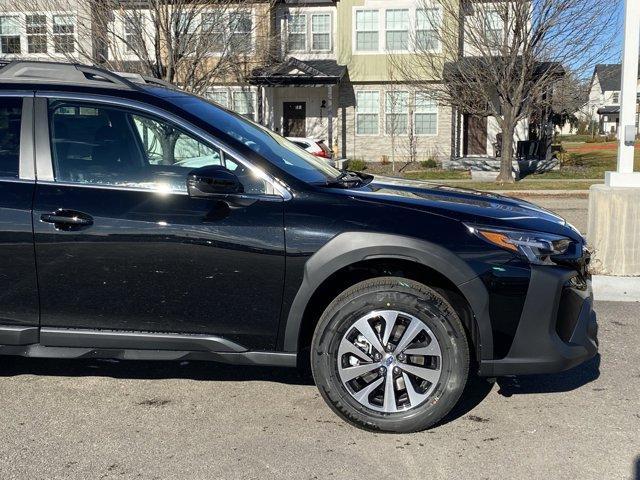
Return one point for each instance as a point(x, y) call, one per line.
point(140, 222)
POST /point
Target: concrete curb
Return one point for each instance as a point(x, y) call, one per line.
point(543, 193)
point(616, 289)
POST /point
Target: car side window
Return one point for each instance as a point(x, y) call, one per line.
point(104, 145)
point(10, 118)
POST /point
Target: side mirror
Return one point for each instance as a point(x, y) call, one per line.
point(212, 181)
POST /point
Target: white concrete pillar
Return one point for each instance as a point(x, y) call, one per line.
point(624, 176)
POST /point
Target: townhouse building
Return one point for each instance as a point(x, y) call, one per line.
point(603, 106)
point(326, 69)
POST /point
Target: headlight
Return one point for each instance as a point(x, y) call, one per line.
point(535, 246)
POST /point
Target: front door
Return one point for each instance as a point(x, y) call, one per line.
point(295, 118)
point(475, 135)
point(121, 246)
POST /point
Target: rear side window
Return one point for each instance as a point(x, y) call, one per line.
point(10, 117)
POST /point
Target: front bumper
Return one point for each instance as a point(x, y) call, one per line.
point(557, 328)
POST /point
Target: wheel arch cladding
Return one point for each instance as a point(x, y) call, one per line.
point(353, 248)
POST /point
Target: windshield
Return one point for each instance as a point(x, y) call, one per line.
point(273, 147)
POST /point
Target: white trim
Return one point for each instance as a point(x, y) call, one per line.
point(354, 30)
point(382, 32)
point(308, 14)
point(231, 90)
point(377, 134)
point(415, 112)
point(406, 114)
point(330, 32)
point(408, 30)
point(24, 42)
point(118, 28)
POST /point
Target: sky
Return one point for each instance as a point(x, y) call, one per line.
point(616, 48)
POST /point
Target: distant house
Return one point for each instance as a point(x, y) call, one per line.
point(604, 98)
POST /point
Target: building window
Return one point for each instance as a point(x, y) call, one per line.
point(221, 97)
point(9, 35)
point(321, 32)
point(367, 25)
point(494, 28)
point(240, 27)
point(243, 103)
point(616, 97)
point(396, 112)
point(36, 33)
point(426, 114)
point(397, 30)
point(132, 33)
point(367, 113)
point(297, 33)
point(427, 25)
point(63, 34)
point(212, 31)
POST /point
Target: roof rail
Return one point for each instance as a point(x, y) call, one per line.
point(66, 73)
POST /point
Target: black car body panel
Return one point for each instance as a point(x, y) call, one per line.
point(161, 264)
point(245, 273)
point(19, 299)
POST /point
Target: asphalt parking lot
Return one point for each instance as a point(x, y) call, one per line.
point(152, 420)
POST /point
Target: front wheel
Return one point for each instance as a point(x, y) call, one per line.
point(390, 354)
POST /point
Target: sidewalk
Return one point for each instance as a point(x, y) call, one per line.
point(616, 289)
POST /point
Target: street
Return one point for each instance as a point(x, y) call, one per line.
point(151, 420)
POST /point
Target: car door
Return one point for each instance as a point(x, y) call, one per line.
point(18, 287)
point(121, 246)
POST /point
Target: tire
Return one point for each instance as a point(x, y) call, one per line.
point(369, 403)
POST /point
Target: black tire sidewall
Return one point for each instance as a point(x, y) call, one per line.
point(391, 293)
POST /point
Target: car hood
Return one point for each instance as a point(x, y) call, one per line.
point(472, 206)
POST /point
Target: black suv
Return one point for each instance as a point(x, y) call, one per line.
point(141, 222)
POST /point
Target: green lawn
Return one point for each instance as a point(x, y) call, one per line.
point(437, 175)
point(583, 165)
point(588, 161)
point(526, 185)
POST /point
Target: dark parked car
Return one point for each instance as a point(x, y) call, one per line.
point(140, 222)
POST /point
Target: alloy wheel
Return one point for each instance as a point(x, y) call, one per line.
point(389, 361)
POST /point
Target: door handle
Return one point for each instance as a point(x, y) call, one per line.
point(67, 219)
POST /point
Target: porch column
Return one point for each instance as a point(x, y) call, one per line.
point(330, 116)
point(260, 106)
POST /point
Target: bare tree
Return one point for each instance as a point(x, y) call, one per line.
point(192, 43)
point(570, 97)
point(502, 59)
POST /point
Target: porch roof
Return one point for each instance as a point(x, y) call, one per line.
point(294, 72)
point(609, 109)
point(471, 64)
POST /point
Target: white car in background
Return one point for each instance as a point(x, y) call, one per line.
point(315, 147)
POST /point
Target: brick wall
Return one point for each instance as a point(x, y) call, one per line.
point(372, 148)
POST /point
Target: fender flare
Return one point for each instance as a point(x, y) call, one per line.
point(352, 247)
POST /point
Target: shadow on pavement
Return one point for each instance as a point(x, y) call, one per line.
point(636, 473)
point(478, 388)
point(551, 383)
point(148, 370)
point(474, 393)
